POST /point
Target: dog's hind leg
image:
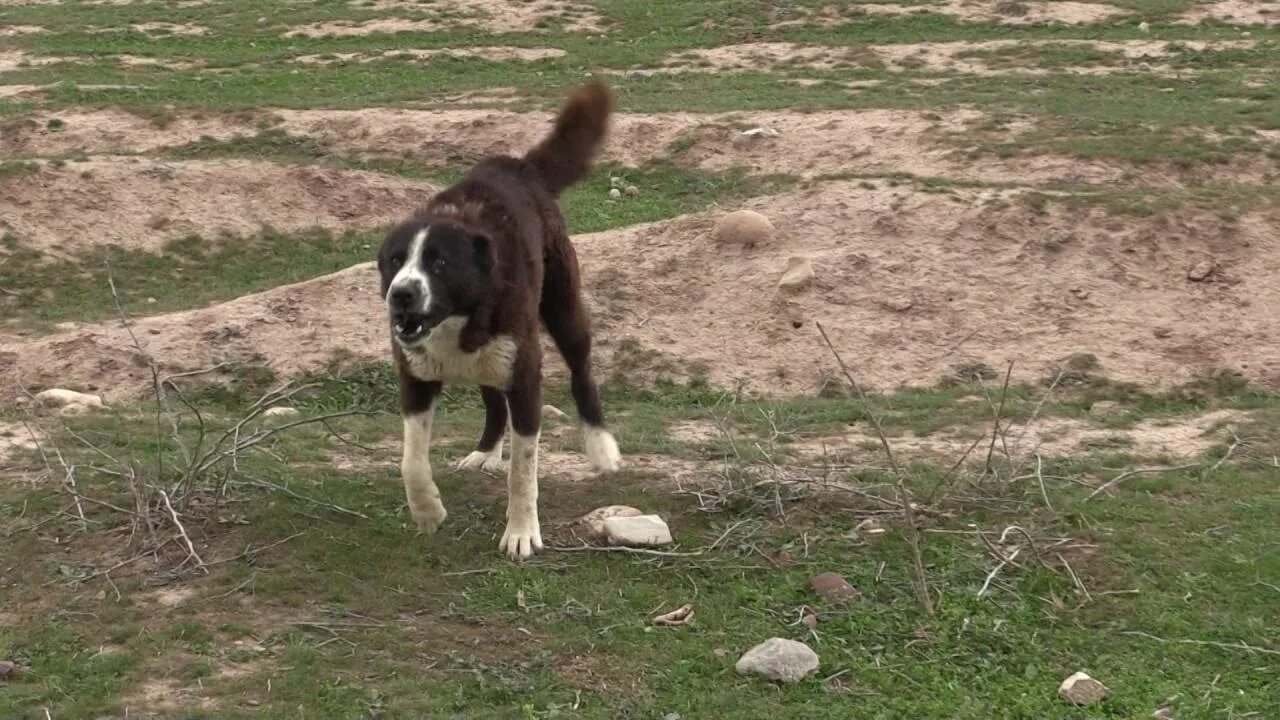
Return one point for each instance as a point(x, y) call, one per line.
point(568, 323)
point(418, 400)
point(488, 453)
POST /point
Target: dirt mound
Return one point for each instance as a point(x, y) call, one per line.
point(909, 285)
point(1005, 12)
point(140, 203)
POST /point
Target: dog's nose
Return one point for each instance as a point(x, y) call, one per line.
point(403, 298)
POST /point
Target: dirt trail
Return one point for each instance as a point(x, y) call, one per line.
point(908, 284)
point(142, 204)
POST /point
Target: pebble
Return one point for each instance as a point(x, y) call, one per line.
point(615, 194)
point(1080, 689)
point(832, 586)
point(798, 275)
point(1201, 271)
point(592, 524)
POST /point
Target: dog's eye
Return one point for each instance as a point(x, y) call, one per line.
point(438, 266)
point(396, 262)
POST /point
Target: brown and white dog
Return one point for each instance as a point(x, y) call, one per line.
point(466, 281)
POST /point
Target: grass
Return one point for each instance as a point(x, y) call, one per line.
point(310, 612)
point(443, 626)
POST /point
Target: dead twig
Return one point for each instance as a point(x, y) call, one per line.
point(908, 513)
point(191, 548)
point(1208, 643)
point(1140, 471)
point(999, 415)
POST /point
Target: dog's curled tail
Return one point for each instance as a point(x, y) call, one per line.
point(566, 155)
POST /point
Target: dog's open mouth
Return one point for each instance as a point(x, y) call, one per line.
point(410, 327)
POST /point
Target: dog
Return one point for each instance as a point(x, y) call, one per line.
point(466, 281)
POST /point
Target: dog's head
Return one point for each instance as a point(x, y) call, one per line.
point(432, 270)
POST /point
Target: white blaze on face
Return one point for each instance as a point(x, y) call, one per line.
point(412, 275)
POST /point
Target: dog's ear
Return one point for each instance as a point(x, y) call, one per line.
point(482, 247)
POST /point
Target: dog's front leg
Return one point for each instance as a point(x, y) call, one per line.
point(523, 536)
point(415, 465)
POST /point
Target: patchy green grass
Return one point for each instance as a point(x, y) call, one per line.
point(358, 616)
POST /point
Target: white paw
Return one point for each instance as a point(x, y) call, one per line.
point(602, 450)
point(490, 462)
point(429, 517)
point(521, 540)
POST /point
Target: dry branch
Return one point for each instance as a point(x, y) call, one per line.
point(908, 514)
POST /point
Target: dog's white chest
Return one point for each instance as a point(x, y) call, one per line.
point(438, 358)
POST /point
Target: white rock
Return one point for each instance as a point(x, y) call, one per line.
point(779, 659)
point(797, 276)
point(592, 524)
point(615, 194)
point(637, 531)
point(1144, 26)
point(69, 401)
point(1080, 689)
point(632, 190)
point(761, 132)
point(280, 412)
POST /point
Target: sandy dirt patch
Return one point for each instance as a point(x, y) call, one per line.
point(909, 285)
point(143, 204)
point(16, 60)
point(16, 440)
point(156, 29)
point(1179, 438)
point(491, 15)
point(955, 57)
point(996, 11)
point(33, 92)
point(1235, 12)
point(14, 30)
point(493, 53)
point(801, 144)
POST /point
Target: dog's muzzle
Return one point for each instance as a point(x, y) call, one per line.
point(408, 319)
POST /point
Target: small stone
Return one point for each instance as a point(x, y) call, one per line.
point(779, 659)
point(592, 524)
point(898, 304)
point(744, 227)
point(637, 531)
point(280, 412)
point(810, 619)
point(1162, 332)
point(615, 194)
point(1080, 293)
point(615, 182)
point(69, 401)
point(672, 716)
point(1103, 408)
point(1144, 26)
point(797, 276)
point(1201, 271)
point(1080, 689)
point(262, 21)
point(551, 412)
point(65, 326)
point(831, 586)
point(719, 653)
point(152, 301)
point(8, 669)
point(632, 190)
point(1163, 713)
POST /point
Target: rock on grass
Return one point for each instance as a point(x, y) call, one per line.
point(779, 659)
point(1080, 689)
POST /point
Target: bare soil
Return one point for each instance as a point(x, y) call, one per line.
point(494, 53)
point(142, 204)
point(493, 15)
point(998, 11)
point(908, 284)
point(1235, 12)
point(934, 56)
point(806, 144)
